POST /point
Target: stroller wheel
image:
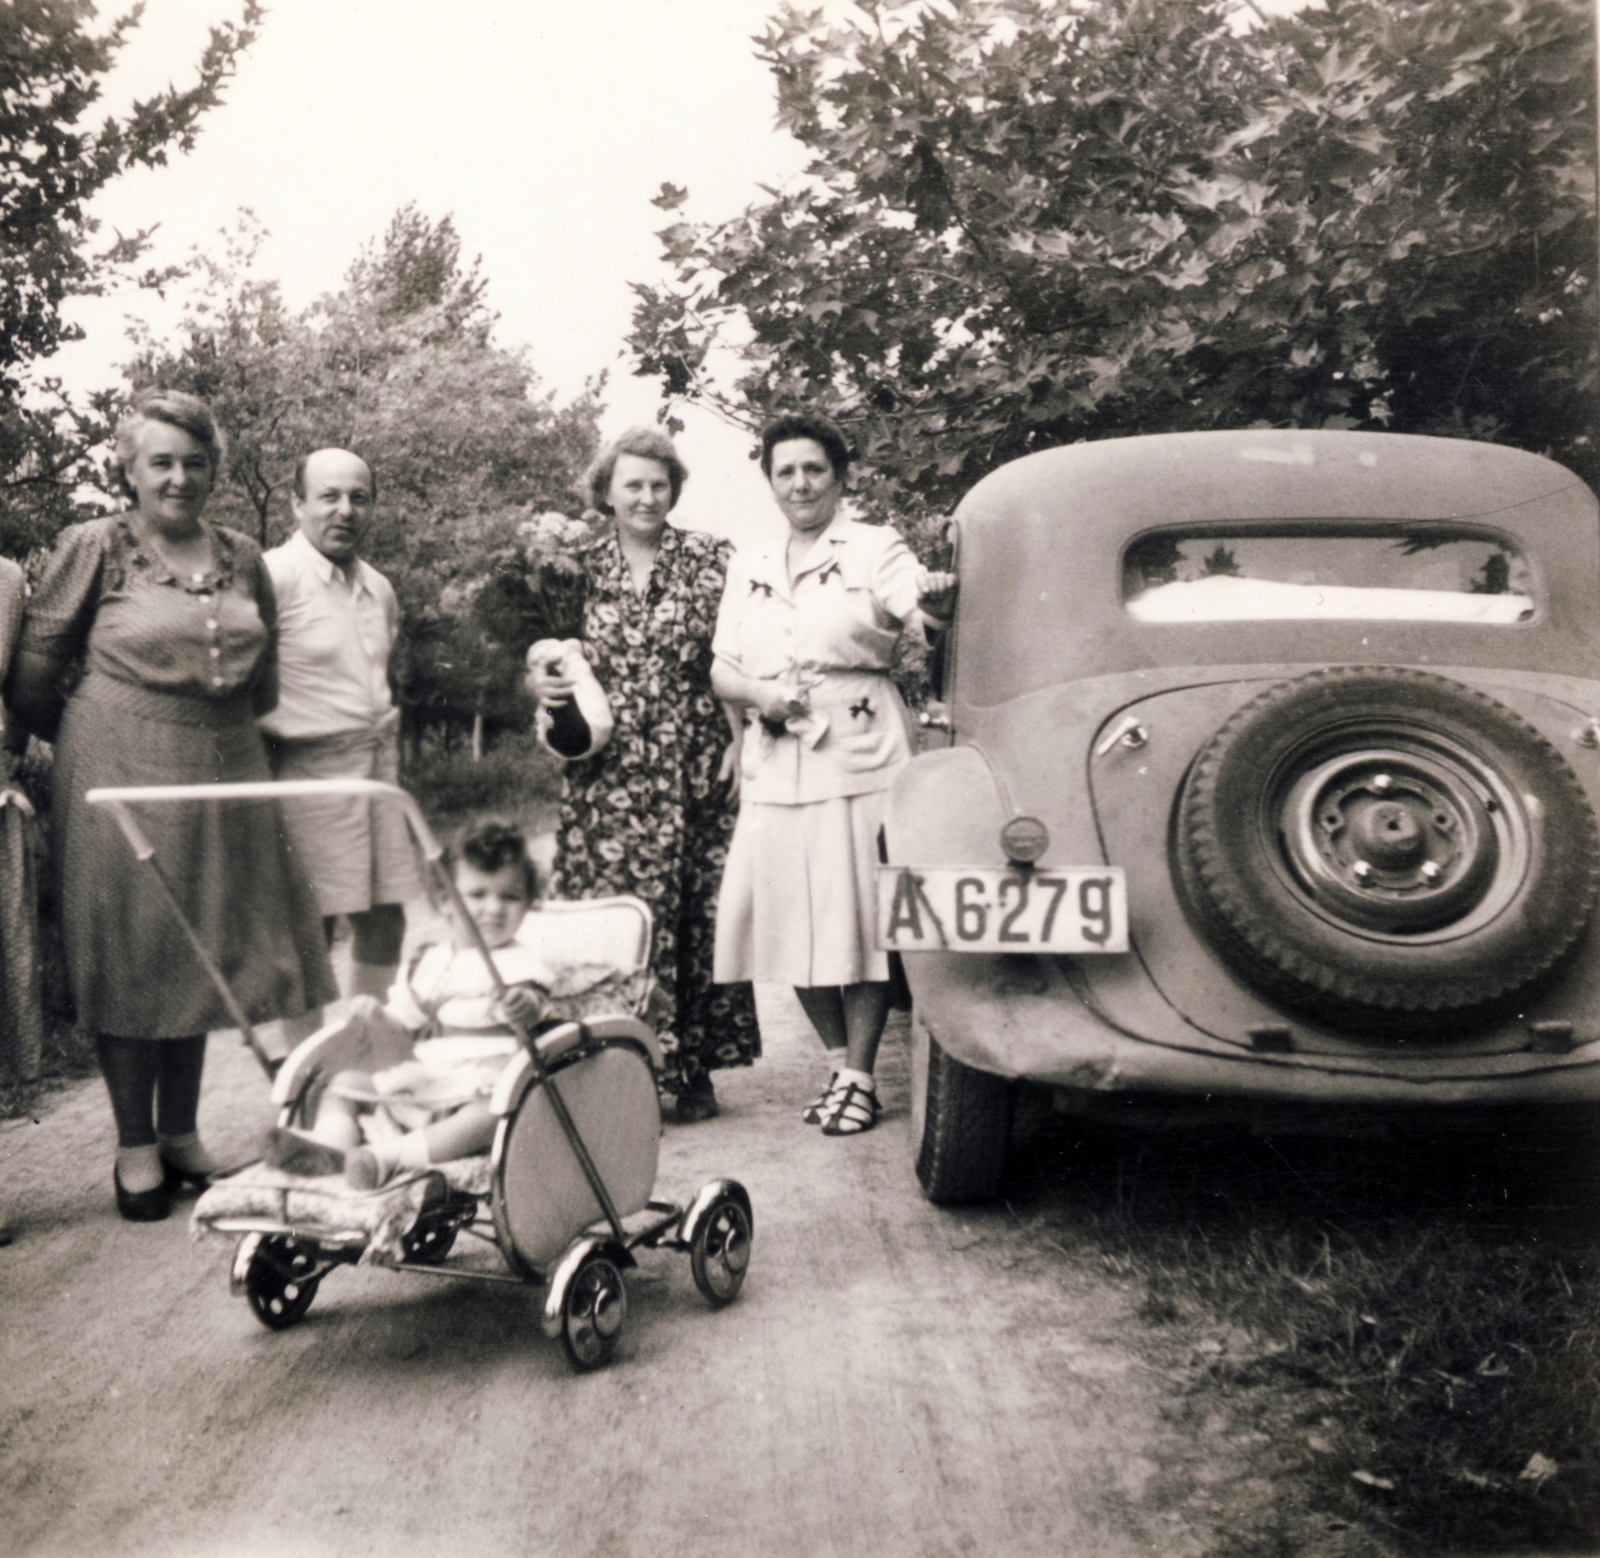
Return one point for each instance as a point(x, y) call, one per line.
point(591, 1320)
point(720, 1254)
point(429, 1246)
point(434, 1235)
point(280, 1280)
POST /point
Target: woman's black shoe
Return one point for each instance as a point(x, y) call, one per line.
point(141, 1206)
point(699, 1103)
point(173, 1178)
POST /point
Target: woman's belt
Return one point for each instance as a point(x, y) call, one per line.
point(813, 723)
point(166, 706)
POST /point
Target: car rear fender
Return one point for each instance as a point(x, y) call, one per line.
point(947, 808)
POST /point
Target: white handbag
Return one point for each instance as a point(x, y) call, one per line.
point(582, 726)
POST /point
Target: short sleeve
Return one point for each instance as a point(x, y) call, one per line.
point(735, 592)
point(894, 575)
point(55, 626)
point(13, 591)
point(13, 594)
point(258, 580)
point(415, 985)
point(64, 603)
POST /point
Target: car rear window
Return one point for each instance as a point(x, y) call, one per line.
point(1388, 573)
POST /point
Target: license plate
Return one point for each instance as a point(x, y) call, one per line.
point(992, 909)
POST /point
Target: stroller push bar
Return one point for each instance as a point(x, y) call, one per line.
point(117, 799)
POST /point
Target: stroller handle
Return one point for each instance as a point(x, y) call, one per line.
point(117, 798)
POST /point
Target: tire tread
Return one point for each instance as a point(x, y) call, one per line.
point(961, 1157)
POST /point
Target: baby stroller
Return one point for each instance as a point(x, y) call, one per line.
point(565, 1193)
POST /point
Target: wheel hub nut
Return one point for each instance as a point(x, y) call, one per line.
point(1361, 870)
point(1430, 870)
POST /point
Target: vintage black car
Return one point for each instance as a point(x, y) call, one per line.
point(1273, 780)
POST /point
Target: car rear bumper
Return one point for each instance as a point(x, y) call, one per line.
point(1026, 1017)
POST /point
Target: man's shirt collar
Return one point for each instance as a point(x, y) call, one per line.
point(324, 566)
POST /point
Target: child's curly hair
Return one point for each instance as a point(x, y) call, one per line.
point(490, 844)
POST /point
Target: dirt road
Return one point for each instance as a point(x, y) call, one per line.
point(893, 1380)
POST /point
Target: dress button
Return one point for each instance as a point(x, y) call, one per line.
point(216, 653)
point(216, 681)
point(211, 622)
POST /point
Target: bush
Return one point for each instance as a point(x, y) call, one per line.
point(515, 778)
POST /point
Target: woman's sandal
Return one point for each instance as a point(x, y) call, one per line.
point(851, 1110)
point(814, 1112)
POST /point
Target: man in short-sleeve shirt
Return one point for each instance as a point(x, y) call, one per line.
point(337, 625)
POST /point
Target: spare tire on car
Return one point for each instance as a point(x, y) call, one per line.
point(1386, 848)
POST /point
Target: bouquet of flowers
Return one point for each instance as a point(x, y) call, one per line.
point(557, 587)
point(550, 545)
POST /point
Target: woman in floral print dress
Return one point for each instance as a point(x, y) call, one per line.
point(652, 812)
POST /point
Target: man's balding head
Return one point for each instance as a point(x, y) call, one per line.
point(333, 500)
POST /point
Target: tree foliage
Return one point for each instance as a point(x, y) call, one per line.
point(401, 366)
point(1028, 222)
point(51, 73)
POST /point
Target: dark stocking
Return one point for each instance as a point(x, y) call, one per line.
point(178, 1087)
point(130, 1067)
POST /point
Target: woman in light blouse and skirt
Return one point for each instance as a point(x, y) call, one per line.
point(805, 638)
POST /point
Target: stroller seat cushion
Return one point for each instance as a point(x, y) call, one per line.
point(329, 1206)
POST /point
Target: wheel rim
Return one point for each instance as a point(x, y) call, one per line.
point(430, 1247)
point(597, 1305)
point(282, 1282)
point(1396, 834)
point(722, 1251)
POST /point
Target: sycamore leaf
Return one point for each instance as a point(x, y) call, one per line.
point(1140, 217)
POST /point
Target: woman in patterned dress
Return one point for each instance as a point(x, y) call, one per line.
point(652, 812)
point(173, 623)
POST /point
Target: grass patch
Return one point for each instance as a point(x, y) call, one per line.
point(1411, 1324)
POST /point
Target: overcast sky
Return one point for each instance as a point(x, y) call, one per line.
point(543, 127)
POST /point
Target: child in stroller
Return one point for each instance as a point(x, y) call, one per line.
point(433, 1106)
point(563, 1193)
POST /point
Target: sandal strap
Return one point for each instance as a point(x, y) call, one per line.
point(815, 1111)
point(851, 1110)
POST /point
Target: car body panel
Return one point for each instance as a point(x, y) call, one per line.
point(1042, 699)
point(1042, 539)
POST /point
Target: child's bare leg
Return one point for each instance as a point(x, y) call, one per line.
point(334, 1134)
point(464, 1134)
point(338, 1120)
point(467, 1132)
